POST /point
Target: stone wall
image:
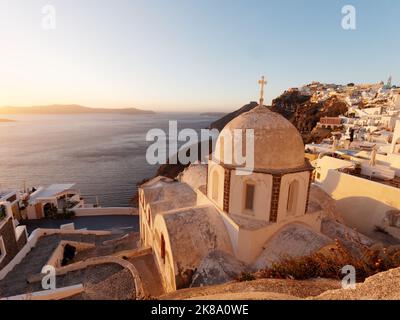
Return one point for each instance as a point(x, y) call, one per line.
point(22, 241)
point(8, 234)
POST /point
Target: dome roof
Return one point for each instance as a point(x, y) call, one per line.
point(277, 143)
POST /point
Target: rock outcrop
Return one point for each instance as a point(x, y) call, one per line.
point(382, 286)
point(320, 200)
point(292, 241)
point(216, 268)
point(353, 241)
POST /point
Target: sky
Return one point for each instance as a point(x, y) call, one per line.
point(188, 55)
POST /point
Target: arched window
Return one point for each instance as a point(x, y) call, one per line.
point(149, 216)
point(162, 248)
point(215, 183)
point(292, 197)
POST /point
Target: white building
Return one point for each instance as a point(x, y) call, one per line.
point(366, 187)
point(53, 197)
point(222, 212)
point(13, 198)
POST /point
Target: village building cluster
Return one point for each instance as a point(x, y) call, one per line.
point(359, 166)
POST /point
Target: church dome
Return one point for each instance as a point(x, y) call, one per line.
point(277, 143)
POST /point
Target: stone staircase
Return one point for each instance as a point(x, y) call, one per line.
point(128, 242)
point(16, 281)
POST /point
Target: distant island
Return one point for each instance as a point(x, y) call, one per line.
point(213, 114)
point(69, 109)
point(6, 120)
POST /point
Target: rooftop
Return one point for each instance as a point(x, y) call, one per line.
point(50, 191)
point(395, 182)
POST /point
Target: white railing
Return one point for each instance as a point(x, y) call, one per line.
point(105, 211)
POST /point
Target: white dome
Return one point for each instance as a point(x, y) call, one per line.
point(277, 143)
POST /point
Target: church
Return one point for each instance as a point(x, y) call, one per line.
point(212, 212)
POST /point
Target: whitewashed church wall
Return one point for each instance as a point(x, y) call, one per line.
point(300, 206)
point(262, 196)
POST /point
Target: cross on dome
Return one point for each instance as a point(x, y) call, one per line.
point(262, 83)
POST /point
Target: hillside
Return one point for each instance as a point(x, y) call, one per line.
point(68, 109)
point(305, 114)
point(222, 122)
point(261, 289)
point(381, 286)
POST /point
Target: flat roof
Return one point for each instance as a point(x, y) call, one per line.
point(4, 193)
point(50, 191)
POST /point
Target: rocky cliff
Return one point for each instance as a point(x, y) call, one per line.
point(305, 114)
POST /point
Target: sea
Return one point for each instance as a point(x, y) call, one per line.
point(104, 154)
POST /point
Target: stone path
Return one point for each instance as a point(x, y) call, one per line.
point(101, 282)
point(127, 243)
point(149, 275)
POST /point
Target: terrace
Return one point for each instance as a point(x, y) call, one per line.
point(357, 172)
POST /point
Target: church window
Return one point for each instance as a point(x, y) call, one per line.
point(215, 182)
point(149, 216)
point(292, 197)
point(249, 196)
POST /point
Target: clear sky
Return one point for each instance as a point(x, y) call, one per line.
point(183, 55)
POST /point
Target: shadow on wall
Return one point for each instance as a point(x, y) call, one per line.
point(363, 213)
point(359, 210)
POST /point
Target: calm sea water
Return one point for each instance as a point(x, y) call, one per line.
point(103, 153)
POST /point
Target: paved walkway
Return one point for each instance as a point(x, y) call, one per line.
point(118, 224)
point(149, 275)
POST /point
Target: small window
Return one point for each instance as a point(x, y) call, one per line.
point(249, 196)
point(149, 217)
point(318, 175)
point(292, 197)
point(162, 248)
